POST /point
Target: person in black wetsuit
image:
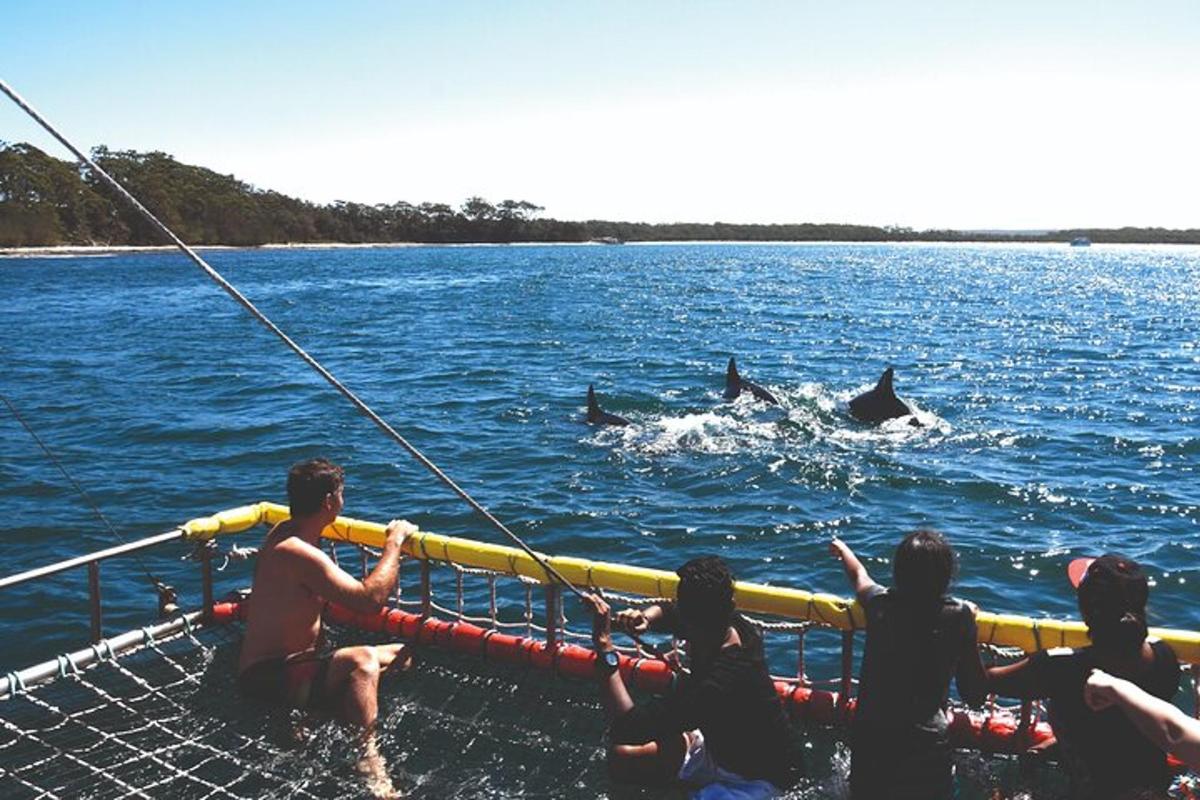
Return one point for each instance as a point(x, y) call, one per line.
point(722, 728)
point(918, 638)
point(1105, 755)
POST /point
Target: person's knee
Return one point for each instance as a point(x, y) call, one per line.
point(366, 664)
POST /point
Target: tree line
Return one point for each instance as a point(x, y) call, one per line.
point(45, 201)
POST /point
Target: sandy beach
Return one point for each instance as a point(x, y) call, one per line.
point(76, 250)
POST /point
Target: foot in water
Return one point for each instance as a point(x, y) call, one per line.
point(373, 769)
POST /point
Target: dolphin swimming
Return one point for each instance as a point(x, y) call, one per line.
point(597, 416)
point(881, 403)
point(735, 383)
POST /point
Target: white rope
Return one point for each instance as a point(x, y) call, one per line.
point(242, 300)
point(111, 752)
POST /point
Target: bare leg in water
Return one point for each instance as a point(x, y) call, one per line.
point(354, 676)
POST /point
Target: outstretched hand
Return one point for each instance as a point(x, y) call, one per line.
point(839, 549)
point(601, 622)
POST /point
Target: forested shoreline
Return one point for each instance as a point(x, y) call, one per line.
point(46, 202)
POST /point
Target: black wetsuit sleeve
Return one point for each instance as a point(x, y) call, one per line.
point(872, 594)
point(968, 673)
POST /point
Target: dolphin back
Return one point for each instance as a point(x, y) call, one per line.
point(597, 415)
point(735, 384)
point(880, 403)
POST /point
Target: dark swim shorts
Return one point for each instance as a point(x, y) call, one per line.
point(298, 681)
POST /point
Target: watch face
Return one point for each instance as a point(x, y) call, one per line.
point(612, 658)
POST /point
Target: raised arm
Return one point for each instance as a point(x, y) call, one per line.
point(1159, 721)
point(856, 573)
point(613, 692)
point(322, 577)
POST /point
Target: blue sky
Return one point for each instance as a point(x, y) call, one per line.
point(944, 114)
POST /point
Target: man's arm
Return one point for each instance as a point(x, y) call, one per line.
point(322, 577)
point(1027, 679)
point(856, 573)
point(1159, 721)
point(613, 693)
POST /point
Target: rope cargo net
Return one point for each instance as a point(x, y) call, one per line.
point(163, 718)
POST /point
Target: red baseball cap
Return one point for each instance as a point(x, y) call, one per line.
point(1077, 569)
point(1123, 574)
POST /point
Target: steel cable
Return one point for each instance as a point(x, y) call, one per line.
point(242, 300)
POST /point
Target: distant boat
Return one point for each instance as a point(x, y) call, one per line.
point(608, 240)
point(1081, 241)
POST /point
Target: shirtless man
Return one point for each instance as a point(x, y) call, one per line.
point(282, 659)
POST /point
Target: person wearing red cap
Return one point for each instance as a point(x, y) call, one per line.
point(1105, 755)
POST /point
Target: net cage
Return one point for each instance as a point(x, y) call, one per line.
point(498, 705)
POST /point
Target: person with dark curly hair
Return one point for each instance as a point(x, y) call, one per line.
point(722, 729)
point(918, 639)
point(1105, 755)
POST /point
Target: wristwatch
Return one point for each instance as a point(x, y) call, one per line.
point(608, 662)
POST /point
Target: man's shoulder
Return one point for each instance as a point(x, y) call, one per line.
point(291, 548)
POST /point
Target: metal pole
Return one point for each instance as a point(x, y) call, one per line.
point(847, 670)
point(426, 590)
point(553, 601)
point(800, 676)
point(459, 604)
point(1024, 725)
point(492, 599)
point(99, 555)
point(94, 599)
point(329, 377)
point(82, 658)
point(206, 582)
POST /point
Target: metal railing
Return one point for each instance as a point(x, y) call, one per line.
point(554, 629)
point(92, 562)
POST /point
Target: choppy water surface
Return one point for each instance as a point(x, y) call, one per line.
point(1060, 390)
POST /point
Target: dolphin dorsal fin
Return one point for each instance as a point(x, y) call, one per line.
point(885, 382)
point(733, 381)
point(593, 406)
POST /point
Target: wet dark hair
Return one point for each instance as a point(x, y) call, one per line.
point(705, 593)
point(1112, 598)
point(308, 484)
point(924, 566)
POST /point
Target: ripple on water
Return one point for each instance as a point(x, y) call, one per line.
point(1057, 393)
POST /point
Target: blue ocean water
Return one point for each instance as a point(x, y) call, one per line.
point(1060, 389)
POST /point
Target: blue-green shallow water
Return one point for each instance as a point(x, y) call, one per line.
point(1060, 387)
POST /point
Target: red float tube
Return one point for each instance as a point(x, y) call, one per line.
point(999, 732)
